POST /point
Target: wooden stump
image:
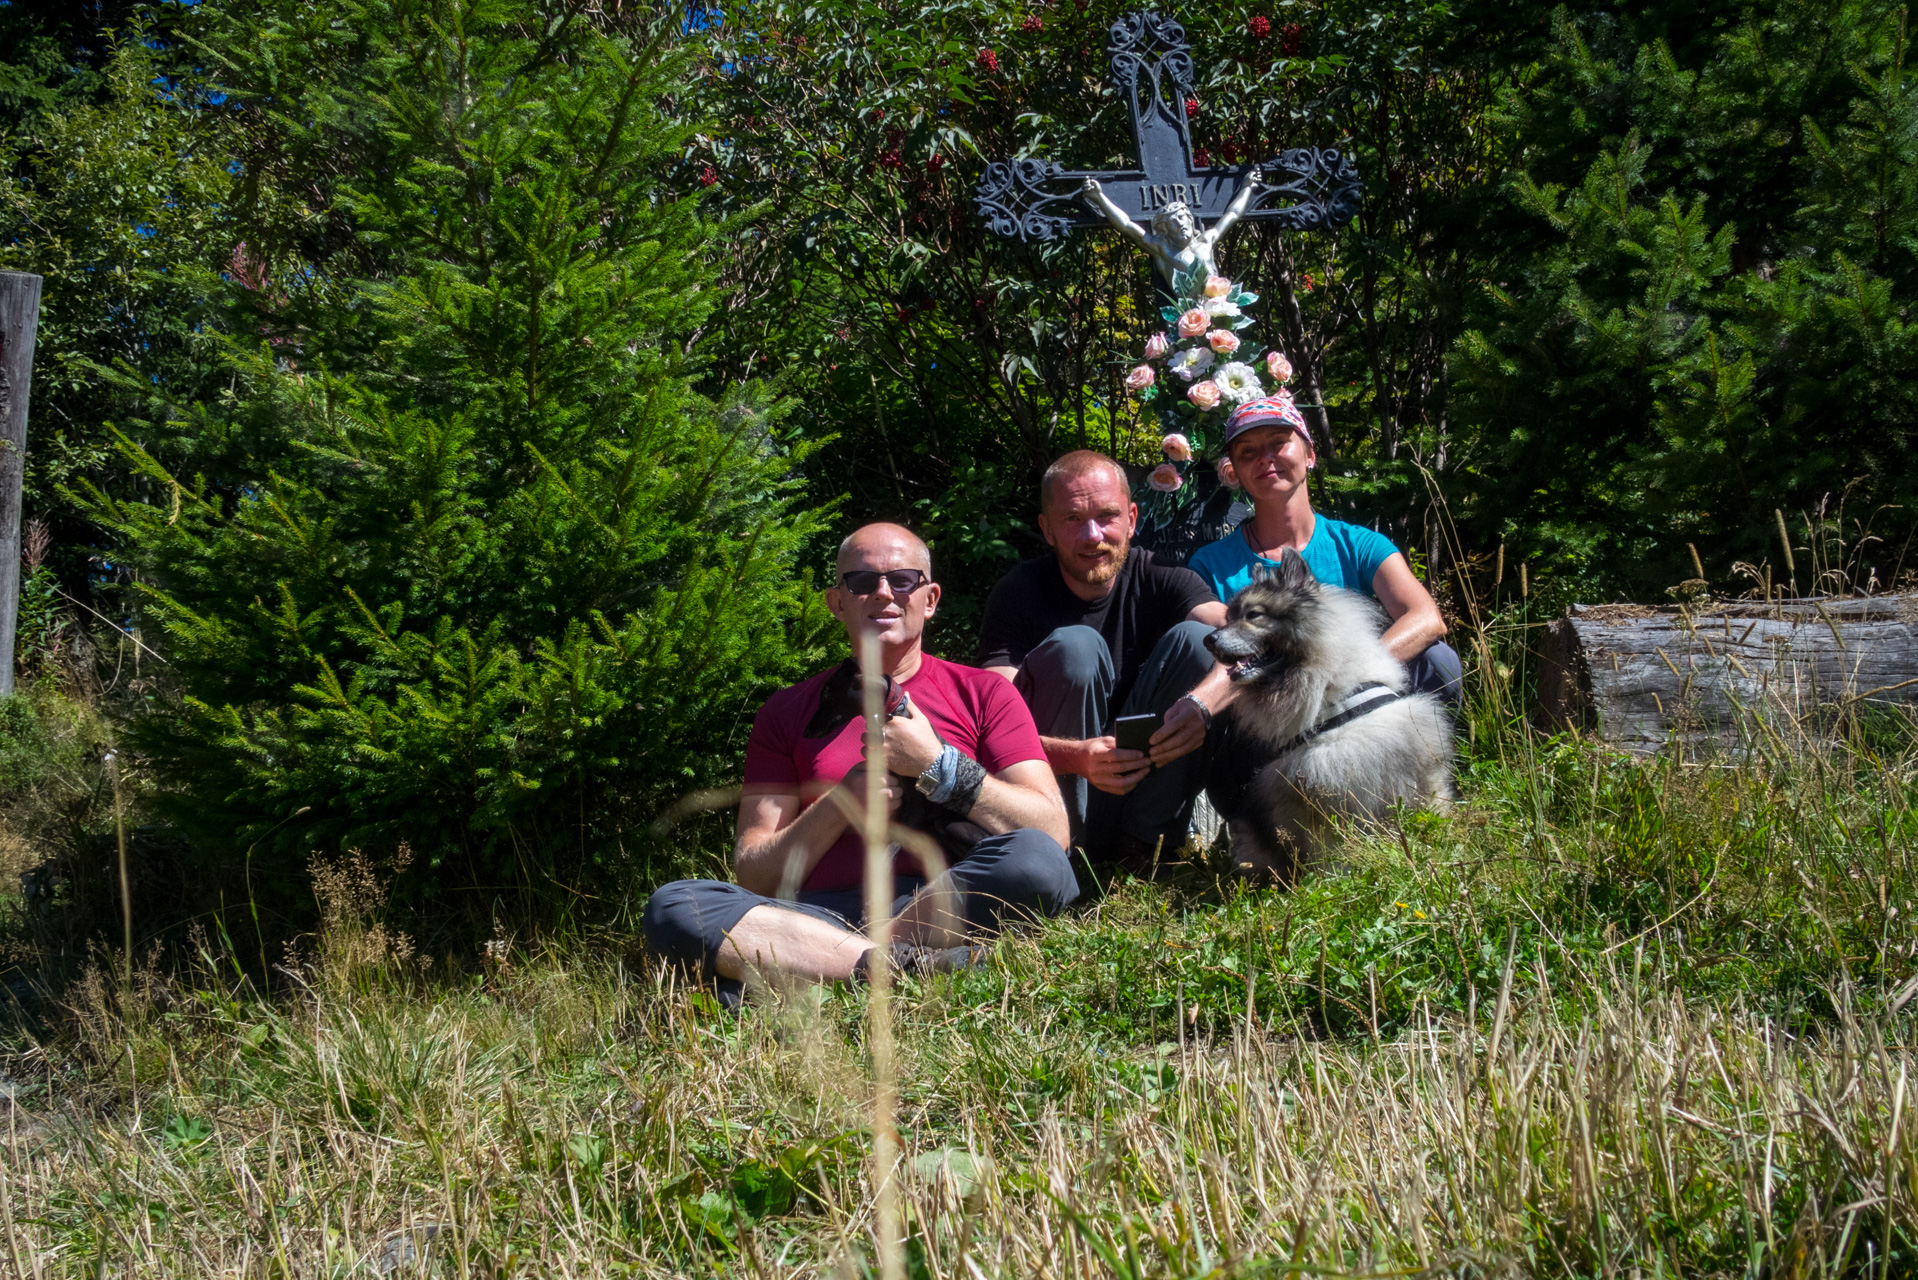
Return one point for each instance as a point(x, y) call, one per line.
point(1729, 675)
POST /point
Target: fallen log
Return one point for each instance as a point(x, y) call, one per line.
point(1729, 675)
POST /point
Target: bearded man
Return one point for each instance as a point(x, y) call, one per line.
point(1098, 630)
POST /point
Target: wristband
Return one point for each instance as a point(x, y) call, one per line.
point(965, 790)
point(1205, 712)
point(953, 780)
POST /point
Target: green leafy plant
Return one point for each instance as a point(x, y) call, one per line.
point(476, 571)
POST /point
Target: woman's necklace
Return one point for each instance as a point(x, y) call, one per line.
point(1252, 538)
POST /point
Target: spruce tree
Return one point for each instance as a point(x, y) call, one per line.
point(462, 562)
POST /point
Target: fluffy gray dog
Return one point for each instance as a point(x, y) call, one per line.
point(1318, 690)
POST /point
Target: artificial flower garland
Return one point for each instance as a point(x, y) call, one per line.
point(1210, 369)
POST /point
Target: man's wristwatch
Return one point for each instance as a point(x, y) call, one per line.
point(1205, 712)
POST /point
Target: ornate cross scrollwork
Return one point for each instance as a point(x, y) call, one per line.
point(1014, 202)
point(1139, 36)
point(1324, 183)
point(1034, 199)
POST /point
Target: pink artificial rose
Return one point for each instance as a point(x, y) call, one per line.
point(1223, 341)
point(1204, 394)
point(1140, 378)
point(1278, 366)
point(1165, 478)
point(1227, 476)
point(1176, 447)
point(1157, 345)
point(1217, 286)
point(1193, 323)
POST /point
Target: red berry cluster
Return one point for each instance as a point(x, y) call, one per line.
point(891, 159)
point(1290, 39)
point(707, 177)
point(1033, 22)
point(1260, 26)
point(935, 163)
point(1191, 108)
point(1202, 158)
point(989, 60)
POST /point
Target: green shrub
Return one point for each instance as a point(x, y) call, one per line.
point(472, 569)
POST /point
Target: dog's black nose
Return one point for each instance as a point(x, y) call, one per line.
point(1212, 641)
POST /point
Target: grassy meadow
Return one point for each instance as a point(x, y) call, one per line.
point(1612, 1017)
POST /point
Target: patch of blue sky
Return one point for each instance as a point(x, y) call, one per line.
point(145, 229)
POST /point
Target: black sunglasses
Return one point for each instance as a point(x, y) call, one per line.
point(863, 582)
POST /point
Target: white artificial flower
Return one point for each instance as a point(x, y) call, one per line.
point(1238, 383)
point(1216, 307)
point(1191, 362)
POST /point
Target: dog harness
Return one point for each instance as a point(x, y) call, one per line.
point(1369, 696)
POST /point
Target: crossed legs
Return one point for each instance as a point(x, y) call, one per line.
point(726, 931)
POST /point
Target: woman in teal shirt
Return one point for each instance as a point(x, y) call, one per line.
point(1271, 452)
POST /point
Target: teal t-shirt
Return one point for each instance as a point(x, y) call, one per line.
point(1339, 555)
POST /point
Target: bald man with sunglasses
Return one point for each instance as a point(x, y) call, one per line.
point(964, 765)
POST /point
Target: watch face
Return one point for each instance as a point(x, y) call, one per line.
point(926, 783)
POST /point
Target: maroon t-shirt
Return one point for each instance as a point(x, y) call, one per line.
point(976, 711)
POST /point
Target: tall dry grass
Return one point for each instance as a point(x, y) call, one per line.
point(1613, 1018)
point(570, 1119)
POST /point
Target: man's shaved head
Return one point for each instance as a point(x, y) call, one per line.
point(897, 617)
point(1080, 462)
point(907, 550)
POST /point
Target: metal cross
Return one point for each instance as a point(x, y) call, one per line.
point(1037, 200)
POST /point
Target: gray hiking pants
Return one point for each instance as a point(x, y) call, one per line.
point(1067, 681)
point(1022, 872)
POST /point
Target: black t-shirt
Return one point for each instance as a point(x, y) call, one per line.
point(1147, 600)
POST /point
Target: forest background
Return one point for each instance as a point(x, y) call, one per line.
point(444, 409)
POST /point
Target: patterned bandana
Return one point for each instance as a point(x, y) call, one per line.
point(1266, 411)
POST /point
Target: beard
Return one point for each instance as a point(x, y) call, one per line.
point(1097, 575)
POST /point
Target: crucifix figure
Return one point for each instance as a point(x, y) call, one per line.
point(1176, 242)
point(1034, 199)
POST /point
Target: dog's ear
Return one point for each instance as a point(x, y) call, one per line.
point(1263, 575)
point(1293, 574)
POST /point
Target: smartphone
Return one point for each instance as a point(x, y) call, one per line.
point(1135, 732)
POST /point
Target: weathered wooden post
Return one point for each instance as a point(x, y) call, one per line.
point(19, 323)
